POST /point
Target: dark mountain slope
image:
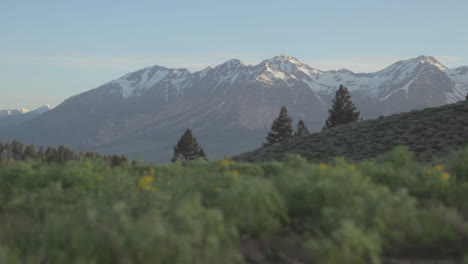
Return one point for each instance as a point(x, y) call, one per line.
point(431, 132)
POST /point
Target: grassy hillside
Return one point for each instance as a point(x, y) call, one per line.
point(431, 132)
point(390, 210)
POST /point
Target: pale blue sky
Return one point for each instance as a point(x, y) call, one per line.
point(50, 50)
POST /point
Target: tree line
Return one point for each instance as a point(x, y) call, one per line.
point(343, 111)
point(17, 151)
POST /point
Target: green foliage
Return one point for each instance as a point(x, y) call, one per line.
point(16, 151)
point(343, 110)
point(348, 244)
point(255, 206)
point(397, 170)
point(226, 212)
point(281, 129)
point(459, 165)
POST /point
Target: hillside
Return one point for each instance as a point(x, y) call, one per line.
point(431, 132)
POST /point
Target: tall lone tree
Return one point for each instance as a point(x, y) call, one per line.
point(187, 148)
point(301, 129)
point(281, 128)
point(343, 110)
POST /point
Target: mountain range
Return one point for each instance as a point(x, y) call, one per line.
point(229, 107)
point(14, 117)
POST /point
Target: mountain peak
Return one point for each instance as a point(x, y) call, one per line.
point(430, 60)
point(283, 58)
point(233, 63)
point(287, 64)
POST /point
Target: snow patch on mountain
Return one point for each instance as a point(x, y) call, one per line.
point(131, 86)
point(460, 77)
point(23, 111)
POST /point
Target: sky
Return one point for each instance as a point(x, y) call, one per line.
point(53, 49)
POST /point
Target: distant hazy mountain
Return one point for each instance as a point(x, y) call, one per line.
point(230, 107)
point(14, 117)
point(12, 112)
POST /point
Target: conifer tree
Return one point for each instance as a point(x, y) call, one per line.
point(30, 152)
point(281, 129)
point(17, 150)
point(301, 130)
point(187, 148)
point(343, 110)
point(40, 153)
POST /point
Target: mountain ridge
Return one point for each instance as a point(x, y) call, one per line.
point(15, 117)
point(290, 70)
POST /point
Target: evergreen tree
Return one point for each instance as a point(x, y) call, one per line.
point(343, 110)
point(50, 155)
point(30, 152)
point(301, 130)
point(40, 153)
point(281, 129)
point(17, 150)
point(187, 148)
point(116, 160)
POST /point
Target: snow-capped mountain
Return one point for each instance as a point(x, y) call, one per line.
point(11, 112)
point(14, 117)
point(405, 85)
point(230, 107)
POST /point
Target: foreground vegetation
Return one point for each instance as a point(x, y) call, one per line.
point(384, 210)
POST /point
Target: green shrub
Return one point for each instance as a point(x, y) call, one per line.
point(209, 212)
point(459, 165)
point(347, 244)
point(254, 206)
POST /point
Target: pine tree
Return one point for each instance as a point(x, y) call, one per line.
point(281, 129)
point(187, 148)
point(301, 130)
point(17, 150)
point(30, 152)
point(343, 110)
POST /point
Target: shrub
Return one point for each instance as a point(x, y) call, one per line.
point(347, 244)
point(254, 206)
point(459, 165)
point(206, 212)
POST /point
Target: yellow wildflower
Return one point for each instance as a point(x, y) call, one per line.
point(226, 162)
point(100, 178)
point(88, 165)
point(152, 171)
point(322, 166)
point(445, 176)
point(234, 172)
point(145, 183)
point(352, 166)
point(216, 189)
point(438, 167)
